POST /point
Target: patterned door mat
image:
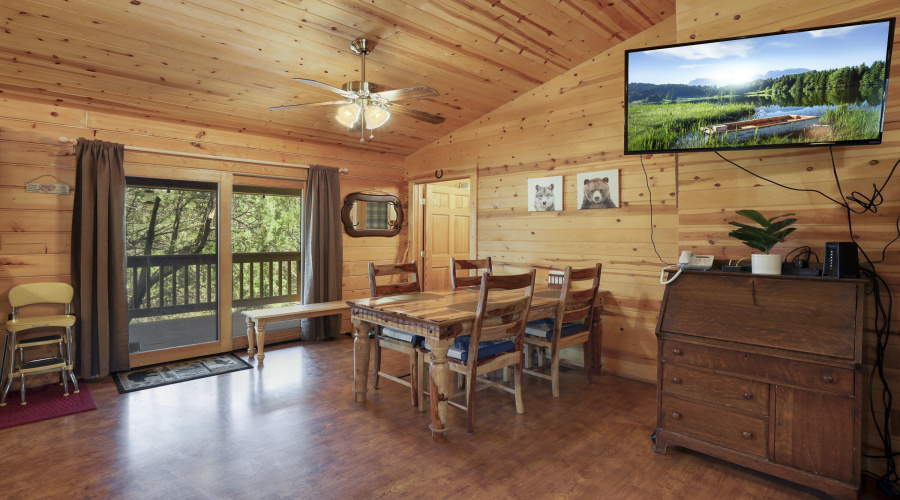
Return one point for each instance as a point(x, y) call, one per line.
point(148, 377)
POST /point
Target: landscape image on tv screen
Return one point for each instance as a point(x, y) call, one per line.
point(787, 89)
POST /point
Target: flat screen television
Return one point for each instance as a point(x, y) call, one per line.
point(812, 87)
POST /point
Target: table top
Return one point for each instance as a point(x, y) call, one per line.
point(433, 313)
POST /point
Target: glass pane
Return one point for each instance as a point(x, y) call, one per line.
point(171, 264)
point(265, 246)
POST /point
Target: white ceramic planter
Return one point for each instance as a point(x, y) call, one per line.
point(763, 263)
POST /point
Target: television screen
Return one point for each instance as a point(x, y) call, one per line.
point(800, 88)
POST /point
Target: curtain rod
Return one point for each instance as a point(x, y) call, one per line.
point(206, 157)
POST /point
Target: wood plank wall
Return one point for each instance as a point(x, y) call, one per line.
point(35, 228)
point(574, 124)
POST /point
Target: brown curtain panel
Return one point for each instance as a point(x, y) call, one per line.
point(98, 259)
point(323, 249)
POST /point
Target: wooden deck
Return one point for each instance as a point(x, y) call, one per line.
point(292, 430)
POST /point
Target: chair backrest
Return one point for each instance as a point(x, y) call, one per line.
point(460, 271)
point(410, 271)
point(41, 293)
point(502, 317)
point(577, 304)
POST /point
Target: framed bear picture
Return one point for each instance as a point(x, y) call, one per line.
point(598, 189)
point(545, 194)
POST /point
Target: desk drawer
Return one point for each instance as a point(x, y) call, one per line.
point(759, 366)
point(731, 430)
point(723, 390)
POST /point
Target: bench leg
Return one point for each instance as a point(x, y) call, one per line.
point(260, 339)
point(251, 333)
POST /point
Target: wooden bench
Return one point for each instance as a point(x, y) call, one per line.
point(257, 319)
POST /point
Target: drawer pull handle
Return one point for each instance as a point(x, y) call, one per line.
point(748, 396)
point(676, 352)
point(676, 416)
point(676, 380)
point(828, 379)
point(747, 435)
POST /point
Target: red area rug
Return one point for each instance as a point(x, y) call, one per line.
point(44, 402)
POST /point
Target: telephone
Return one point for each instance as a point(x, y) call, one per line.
point(687, 260)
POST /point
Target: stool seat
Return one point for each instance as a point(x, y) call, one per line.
point(60, 320)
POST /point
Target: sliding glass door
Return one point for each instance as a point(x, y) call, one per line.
point(171, 229)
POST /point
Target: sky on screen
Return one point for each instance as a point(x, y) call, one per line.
point(737, 61)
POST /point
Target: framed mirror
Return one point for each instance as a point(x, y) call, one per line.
point(372, 215)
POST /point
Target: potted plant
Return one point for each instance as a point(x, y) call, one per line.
point(763, 238)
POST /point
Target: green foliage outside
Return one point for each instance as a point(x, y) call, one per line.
point(184, 222)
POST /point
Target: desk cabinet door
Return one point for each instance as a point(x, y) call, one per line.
point(814, 431)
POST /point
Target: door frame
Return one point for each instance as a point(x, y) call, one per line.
point(417, 217)
point(225, 183)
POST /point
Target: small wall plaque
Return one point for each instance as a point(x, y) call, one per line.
point(46, 187)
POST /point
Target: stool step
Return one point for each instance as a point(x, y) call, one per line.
point(36, 341)
point(40, 365)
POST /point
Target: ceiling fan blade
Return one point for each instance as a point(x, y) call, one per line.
point(325, 86)
point(421, 92)
point(323, 103)
point(417, 114)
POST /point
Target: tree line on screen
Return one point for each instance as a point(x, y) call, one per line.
point(862, 77)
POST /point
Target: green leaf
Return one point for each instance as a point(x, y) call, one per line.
point(778, 216)
point(754, 216)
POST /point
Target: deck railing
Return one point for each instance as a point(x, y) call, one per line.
point(174, 284)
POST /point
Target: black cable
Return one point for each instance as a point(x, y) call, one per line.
point(883, 314)
point(779, 184)
point(650, 193)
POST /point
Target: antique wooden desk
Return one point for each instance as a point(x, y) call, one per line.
point(439, 317)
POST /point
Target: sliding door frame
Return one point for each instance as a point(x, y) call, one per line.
point(225, 182)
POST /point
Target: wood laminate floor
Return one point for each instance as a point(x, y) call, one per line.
point(290, 429)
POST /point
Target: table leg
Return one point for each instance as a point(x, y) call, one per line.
point(440, 390)
point(251, 334)
point(260, 338)
point(361, 345)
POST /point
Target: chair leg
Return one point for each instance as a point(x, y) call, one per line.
point(520, 382)
point(69, 361)
point(414, 376)
point(22, 390)
point(470, 400)
point(588, 368)
point(65, 381)
point(554, 372)
point(377, 346)
point(424, 379)
point(6, 389)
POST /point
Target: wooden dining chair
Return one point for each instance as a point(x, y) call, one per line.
point(570, 327)
point(391, 338)
point(497, 339)
point(460, 271)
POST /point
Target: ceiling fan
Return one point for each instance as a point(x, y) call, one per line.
point(366, 104)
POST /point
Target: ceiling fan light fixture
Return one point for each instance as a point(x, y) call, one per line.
point(347, 115)
point(376, 117)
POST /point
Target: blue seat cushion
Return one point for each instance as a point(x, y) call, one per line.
point(544, 328)
point(460, 349)
point(402, 336)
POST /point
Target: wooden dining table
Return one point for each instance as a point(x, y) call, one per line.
point(439, 317)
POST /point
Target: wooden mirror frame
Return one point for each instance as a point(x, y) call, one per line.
point(350, 228)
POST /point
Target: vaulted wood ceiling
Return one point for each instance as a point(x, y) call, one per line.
point(224, 62)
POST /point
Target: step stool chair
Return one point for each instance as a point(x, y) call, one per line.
point(17, 330)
